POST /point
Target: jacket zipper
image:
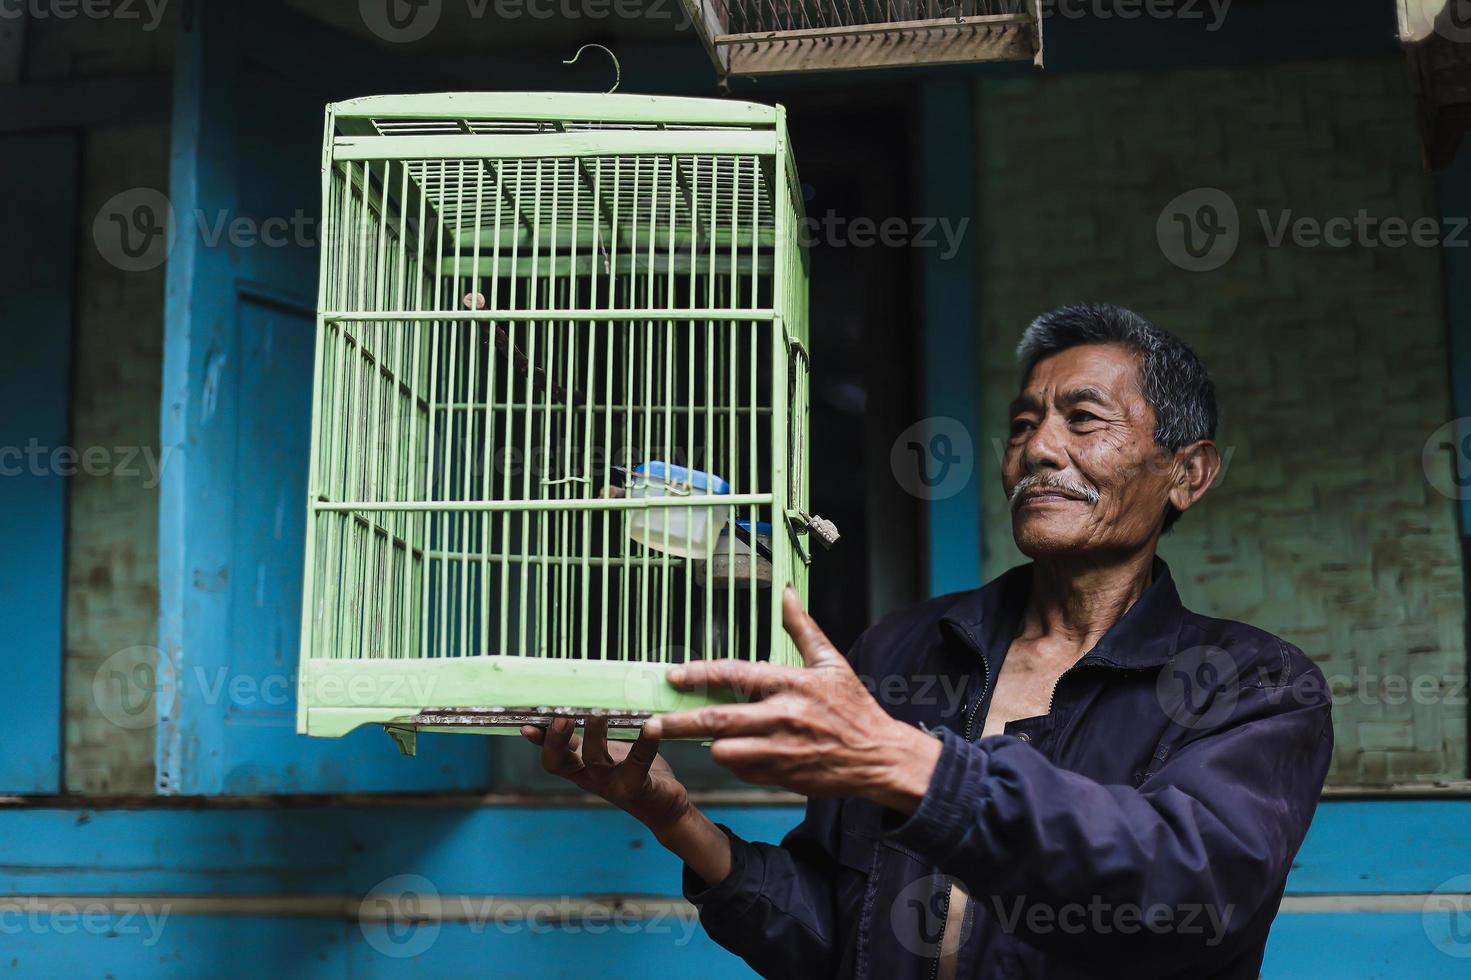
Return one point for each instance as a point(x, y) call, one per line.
point(969, 734)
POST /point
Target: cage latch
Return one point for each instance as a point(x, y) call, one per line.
point(824, 530)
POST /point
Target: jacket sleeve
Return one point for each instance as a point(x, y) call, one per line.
point(775, 908)
point(1206, 839)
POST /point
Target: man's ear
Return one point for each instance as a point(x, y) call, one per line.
point(1196, 466)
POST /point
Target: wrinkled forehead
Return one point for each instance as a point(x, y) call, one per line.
point(1104, 373)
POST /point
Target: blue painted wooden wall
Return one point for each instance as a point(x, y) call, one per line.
point(251, 87)
point(154, 858)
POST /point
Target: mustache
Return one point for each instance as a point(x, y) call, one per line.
point(1039, 481)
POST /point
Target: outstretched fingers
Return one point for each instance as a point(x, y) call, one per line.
point(723, 721)
point(817, 650)
point(749, 681)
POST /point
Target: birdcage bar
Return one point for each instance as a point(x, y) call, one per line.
point(523, 316)
point(565, 145)
point(503, 334)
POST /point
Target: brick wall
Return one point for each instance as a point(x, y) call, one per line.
point(112, 546)
point(112, 533)
point(1330, 363)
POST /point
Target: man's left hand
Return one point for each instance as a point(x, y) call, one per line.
point(814, 730)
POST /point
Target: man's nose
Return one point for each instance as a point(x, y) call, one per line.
point(1044, 449)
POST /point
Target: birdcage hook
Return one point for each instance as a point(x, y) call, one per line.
point(617, 69)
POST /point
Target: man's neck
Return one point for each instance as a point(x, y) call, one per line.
point(1073, 603)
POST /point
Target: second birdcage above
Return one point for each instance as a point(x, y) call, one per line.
point(559, 424)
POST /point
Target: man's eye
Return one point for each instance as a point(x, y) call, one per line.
point(1019, 426)
point(1079, 417)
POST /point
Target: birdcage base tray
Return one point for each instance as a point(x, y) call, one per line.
point(501, 721)
point(490, 695)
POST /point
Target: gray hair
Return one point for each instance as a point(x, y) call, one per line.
point(1174, 381)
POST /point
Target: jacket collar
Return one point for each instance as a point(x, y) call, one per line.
point(1146, 636)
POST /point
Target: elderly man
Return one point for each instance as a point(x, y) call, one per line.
point(1126, 782)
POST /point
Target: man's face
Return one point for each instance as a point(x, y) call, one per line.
point(1082, 470)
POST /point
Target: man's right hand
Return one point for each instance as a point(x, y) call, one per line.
point(635, 778)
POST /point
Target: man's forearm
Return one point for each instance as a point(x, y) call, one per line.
point(903, 775)
point(696, 840)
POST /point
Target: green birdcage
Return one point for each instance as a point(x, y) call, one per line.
point(559, 417)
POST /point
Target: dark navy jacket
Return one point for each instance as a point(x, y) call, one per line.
point(1144, 826)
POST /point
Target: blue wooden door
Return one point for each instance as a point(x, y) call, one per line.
point(245, 188)
point(36, 286)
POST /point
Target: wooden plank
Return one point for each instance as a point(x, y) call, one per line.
point(1418, 844)
point(998, 23)
point(88, 943)
point(318, 847)
point(924, 43)
point(330, 850)
point(1328, 946)
point(137, 948)
point(708, 22)
point(572, 797)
